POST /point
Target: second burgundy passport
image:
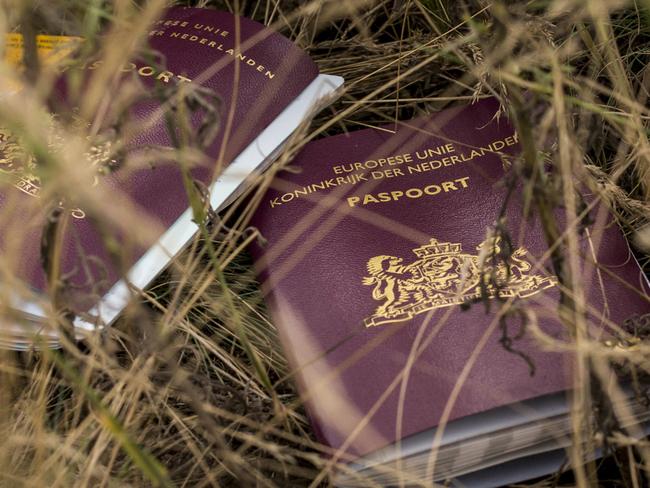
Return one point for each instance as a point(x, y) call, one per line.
point(374, 271)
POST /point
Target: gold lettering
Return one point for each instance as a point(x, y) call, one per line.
point(369, 199)
point(146, 71)
point(395, 195)
point(448, 186)
point(352, 201)
point(165, 76)
point(128, 67)
point(463, 181)
point(432, 190)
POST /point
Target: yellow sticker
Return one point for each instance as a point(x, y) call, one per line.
point(51, 49)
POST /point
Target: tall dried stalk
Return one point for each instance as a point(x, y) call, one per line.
point(191, 387)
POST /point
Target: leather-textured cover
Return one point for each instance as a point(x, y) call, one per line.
point(255, 72)
point(369, 308)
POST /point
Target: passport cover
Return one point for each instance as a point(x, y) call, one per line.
point(256, 73)
point(373, 243)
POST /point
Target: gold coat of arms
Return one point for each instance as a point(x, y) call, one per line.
point(22, 167)
point(443, 276)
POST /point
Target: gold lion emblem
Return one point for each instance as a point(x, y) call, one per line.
point(21, 166)
point(442, 276)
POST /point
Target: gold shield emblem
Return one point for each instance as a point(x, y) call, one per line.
point(442, 275)
point(22, 168)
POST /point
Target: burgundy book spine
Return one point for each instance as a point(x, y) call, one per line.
point(254, 71)
point(373, 253)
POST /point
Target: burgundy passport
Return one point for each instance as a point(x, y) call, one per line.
point(371, 266)
point(265, 86)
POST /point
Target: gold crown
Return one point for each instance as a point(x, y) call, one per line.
point(437, 248)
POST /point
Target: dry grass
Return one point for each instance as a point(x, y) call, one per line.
point(191, 388)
